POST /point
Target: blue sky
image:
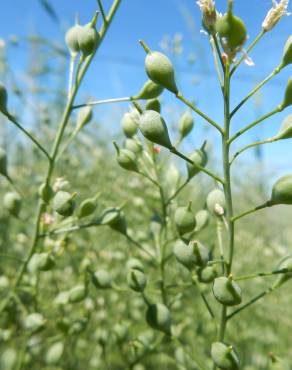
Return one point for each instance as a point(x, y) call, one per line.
point(118, 69)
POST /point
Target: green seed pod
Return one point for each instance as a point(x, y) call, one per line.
point(202, 219)
point(200, 158)
point(46, 192)
point(71, 39)
point(78, 326)
point(126, 159)
point(286, 263)
point(186, 124)
point(88, 39)
point(134, 263)
point(158, 317)
point(134, 145)
point(102, 279)
point(129, 124)
point(3, 163)
point(287, 54)
point(288, 95)
point(121, 331)
point(8, 359)
point(192, 255)
point(87, 207)
point(63, 203)
point(282, 191)
point(150, 90)
point(77, 294)
point(153, 104)
point(154, 128)
point(227, 291)
point(3, 99)
point(224, 356)
point(207, 274)
point(12, 202)
point(285, 131)
point(34, 322)
point(232, 32)
point(136, 280)
point(200, 252)
point(115, 218)
point(84, 116)
point(54, 353)
point(41, 262)
point(184, 219)
point(216, 202)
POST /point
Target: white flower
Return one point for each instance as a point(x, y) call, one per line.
point(275, 14)
point(209, 13)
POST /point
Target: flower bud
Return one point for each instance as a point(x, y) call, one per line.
point(84, 116)
point(3, 162)
point(286, 263)
point(224, 356)
point(126, 159)
point(216, 202)
point(158, 318)
point(287, 54)
point(150, 90)
point(87, 207)
point(227, 291)
point(12, 202)
point(63, 203)
point(186, 124)
point(88, 38)
point(153, 104)
point(71, 39)
point(154, 128)
point(102, 279)
point(275, 14)
point(3, 98)
point(136, 280)
point(134, 145)
point(202, 219)
point(207, 274)
point(288, 95)
point(282, 191)
point(77, 294)
point(41, 262)
point(200, 158)
point(54, 353)
point(115, 218)
point(46, 192)
point(209, 14)
point(129, 124)
point(34, 322)
point(184, 219)
point(285, 131)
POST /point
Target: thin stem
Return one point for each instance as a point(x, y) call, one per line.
point(248, 212)
point(138, 245)
point(256, 122)
point(105, 101)
point(102, 11)
point(248, 50)
point(216, 53)
point(178, 190)
point(199, 112)
point(220, 245)
point(262, 274)
point(261, 84)
point(71, 73)
point(197, 285)
point(9, 256)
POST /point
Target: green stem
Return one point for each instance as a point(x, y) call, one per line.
point(248, 212)
point(105, 101)
point(217, 55)
point(262, 274)
point(178, 190)
point(220, 244)
point(102, 11)
point(197, 285)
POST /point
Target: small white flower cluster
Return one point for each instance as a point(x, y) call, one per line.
point(209, 13)
point(275, 14)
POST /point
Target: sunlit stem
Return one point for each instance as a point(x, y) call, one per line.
point(250, 211)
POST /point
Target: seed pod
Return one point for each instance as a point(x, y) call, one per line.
point(3, 99)
point(88, 39)
point(224, 356)
point(121, 331)
point(287, 54)
point(78, 326)
point(8, 359)
point(77, 294)
point(286, 263)
point(3, 162)
point(160, 69)
point(115, 218)
point(41, 262)
point(129, 124)
point(134, 145)
point(134, 263)
point(227, 291)
point(150, 90)
point(34, 322)
point(54, 354)
point(202, 219)
point(200, 252)
point(84, 116)
point(192, 255)
point(63, 203)
point(216, 202)
point(87, 207)
point(12, 202)
point(288, 95)
point(102, 279)
point(46, 192)
point(126, 159)
point(207, 274)
point(186, 124)
point(154, 128)
point(136, 280)
point(184, 219)
point(153, 104)
point(282, 191)
point(200, 158)
point(285, 131)
point(158, 317)
point(71, 39)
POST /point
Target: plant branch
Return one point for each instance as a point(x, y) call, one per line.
point(267, 141)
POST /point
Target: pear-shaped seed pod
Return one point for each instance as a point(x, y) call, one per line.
point(34, 322)
point(87, 207)
point(41, 262)
point(160, 70)
point(127, 159)
point(102, 279)
point(288, 95)
point(115, 218)
point(54, 353)
point(134, 263)
point(129, 124)
point(202, 219)
point(207, 274)
point(184, 219)
point(134, 145)
point(282, 191)
point(184, 254)
point(227, 291)
point(286, 263)
point(200, 252)
point(287, 54)
point(12, 202)
point(186, 124)
point(46, 192)
point(3, 162)
point(77, 293)
point(63, 203)
point(216, 202)
point(224, 356)
point(153, 104)
point(150, 90)
point(136, 280)
point(154, 128)
point(3, 98)
point(71, 39)
point(199, 158)
point(84, 116)
point(285, 131)
point(88, 39)
point(158, 317)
